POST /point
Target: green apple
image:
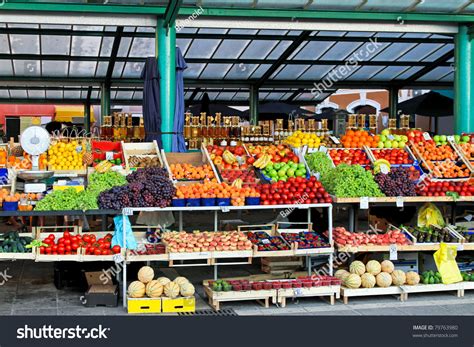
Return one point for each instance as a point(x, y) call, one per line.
point(277, 166)
point(380, 144)
point(385, 132)
point(394, 144)
point(290, 172)
point(301, 166)
point(402, 144)
point(465, 138)
point(457, 138)
point(300, 173)
point(443, 138)
point(383, 138)
point(269, 167)
point(281, 172)
point(404, 138)
point(388, 144)
point(273, 173)
point(397, 138)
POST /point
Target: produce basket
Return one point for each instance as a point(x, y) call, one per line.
point(146, 249)
point(107, 150)
point(417, 238)
point(42, 233)
point(193, 158)
point(141, 151)
point(303, 239)
point(91, 257)
point(348, 150)
point(267, 241)
point(21, 252)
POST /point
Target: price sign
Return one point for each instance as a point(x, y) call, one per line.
point(298, 291)
point(399, 201)
point(468, 217)
point(127, 212)
point(384, 169)
point(323, 149)
point(109, 155)
point(79, 149)
point(426, 136)
point(390, 137)
point(393, 252)
point(364, 203)
point(266, 241)
point(451, 138)
point(118, 258)
point(335, 140)
point(225, 209)
point(460, 247)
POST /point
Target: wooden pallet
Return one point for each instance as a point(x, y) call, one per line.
point(430, 288)
point(346, 293)
point(333, 292)
point(261, 296)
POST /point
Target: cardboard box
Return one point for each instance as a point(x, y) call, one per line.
point(101, 290)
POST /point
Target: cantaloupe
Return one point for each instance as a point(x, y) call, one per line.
point(172, 290)
point(357, 267)
point(187, 289)
point(163, 280)
point(367, 280)
point(181, 280)
point(387, 266)
point(340, 273)
point(352, 281)
point(154, 289)
point(383, 279)
point(398, 277)
point(373, 267)
point(412, 278)
point(146, 274)
point(136, 289)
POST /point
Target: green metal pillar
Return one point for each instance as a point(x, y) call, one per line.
point(87, 116)
point(392, 103)
point(253, 105)
point(463, 89)
point(104, 101)
point(166, 53)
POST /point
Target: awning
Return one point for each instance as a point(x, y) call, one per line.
point(68, 113)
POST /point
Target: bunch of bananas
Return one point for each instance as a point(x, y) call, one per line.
point(103, 166)
point(378, 165)
point(263, 161)
point(228, 157)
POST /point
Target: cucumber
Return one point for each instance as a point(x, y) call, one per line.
point(20, 247)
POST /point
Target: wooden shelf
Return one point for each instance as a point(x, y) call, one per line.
point(403, 248)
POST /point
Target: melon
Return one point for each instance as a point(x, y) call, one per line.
point(412, 278)
point(187, 289)
point(398, 277)
point(146, 274)
point(357, 267)
point(367, 280)
point(383, 279)
point(172, 290)
point(154, 289)
point(136, 289)
point(352, 281)
point(387, 266)
point(373, 267)
point(181, 280)
point(340, 273)
point(163, 280)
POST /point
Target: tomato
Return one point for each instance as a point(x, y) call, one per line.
point(86, 238)
point(74, 246)
point(54, 248)
point(51, 236)
point(97, 252)
point(61, 240)
point(47, 250)
point(67, 241)
point(116, 249)
point(66, 234)
point(61, 249)
point(91, 250)
point(42, 250)
point(105, 251)
point(68, 248)
point(106, 245)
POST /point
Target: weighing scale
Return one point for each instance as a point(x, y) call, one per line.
point(34, 140)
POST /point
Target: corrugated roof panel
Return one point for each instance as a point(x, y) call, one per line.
point(138, 95)
point(389, 73)
point(118, 68)
point(291, 72)
point(193, 70)
point(72, 94)
point(241, 96)
point(102, 69)
point(54, 94)
point(260, 71)
point(36, 94)
point(440, 52)
point(436, 73)
point(317, 72)
point(241, 71)
point(133, 70)
point(408, 73)
point(394, 51)
point(279, 49)
point(124, 95)
point(448, 78)
point(4, 94)
point(106, 49)
point(362, 73)
point(226, 95)
point(4, 48)
point(6, 68)
point(18, 93)
point(26, 67)
point(313, 50)
point(124, 46)
point(215, 70)
point(183, 44)
point(341, 50)
point(420, 52)
point(368, 51)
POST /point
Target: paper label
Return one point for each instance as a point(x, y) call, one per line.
point(109, 155)
point(399, 201)
point(118, 258)
point(266, 242)
point(323, 149)
point(426, 136)
point(460, 247)
point(335, 140)
point(364, 203)
point(393, 252)
point(298, 291)
point(384, 169)
point(450, 138)
point(127, 212)
point(225, 209)
point(468, 217)
point(79, 149)
point(390, 137)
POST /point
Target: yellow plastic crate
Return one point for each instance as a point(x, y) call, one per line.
point(186, 304)
point(144, 305)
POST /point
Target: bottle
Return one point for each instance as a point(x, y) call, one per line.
point(123, 127)
point(136, 131)
point(141, 130)
point(129, 128)
point(116, 129)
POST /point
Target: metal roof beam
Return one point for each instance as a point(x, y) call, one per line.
point(294, 95)
point(433, 65)
point(171, 12)
point(113, 54)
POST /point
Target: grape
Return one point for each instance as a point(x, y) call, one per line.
point(396, 183)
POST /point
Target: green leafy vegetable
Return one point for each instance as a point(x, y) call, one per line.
point(319, 162)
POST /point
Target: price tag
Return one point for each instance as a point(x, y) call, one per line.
point(468, 217)
point(393, 252)
point(426, 136)
point(317, 175)
point(323, 149)
point(335, 140)
point(127, 212)
point(109, 155)
point(79, 149)
point(312, 150)
point(460, 247)
point(390, 137)
point(364, 203)
point(399, 201)
point(450, 138)
point(118, 258)
point(225, 209)
point(266, 241)
point(384, 169)
point(298, 291)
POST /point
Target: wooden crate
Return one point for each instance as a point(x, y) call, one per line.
point(270, 229)
point(281, 265)
point(43, 232)
point(241, 257)
point(333, 292)
point(346, 293)
point(14, 256)
point(262, 296)
point(133, 256)
point(205, 257)
point(89, 257)
point(303, 227)
point(140, 149)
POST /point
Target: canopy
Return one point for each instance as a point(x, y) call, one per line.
point(67, 113)
point(431, 104)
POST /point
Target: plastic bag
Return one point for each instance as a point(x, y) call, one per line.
point(430, 215)
point(445, 259)
point(117, 239)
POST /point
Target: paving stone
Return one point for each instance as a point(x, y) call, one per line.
point(380, 311)
point(35, 312)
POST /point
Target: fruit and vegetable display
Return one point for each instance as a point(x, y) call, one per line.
point(299, 138)
point(144, 161)
point(283, 171)
point(247, 176)
point(67, 244)
point(12, 242)
point(388, 140)
point(305, 239)
point(319, 162)
point(375, 274)
point(350, 181)
point(265, 242)
point(189, 172)
point(395, 156)
point(213, 190)
point(149, 249)
point(431, 234)
point(444, 188)
point(229, 157)
point(349, 156)
point(328, 141)
point(205, 241)
point(147, 286)
point(344, 238)
point(431, 277)
point(396, 183)
point(148, 187)
point(465, 232)
point(430, 215)
point(429, 151)
point(66, 156)
point(467, 277)
point(296, 190)
point(359, 138)
point(98, 246)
